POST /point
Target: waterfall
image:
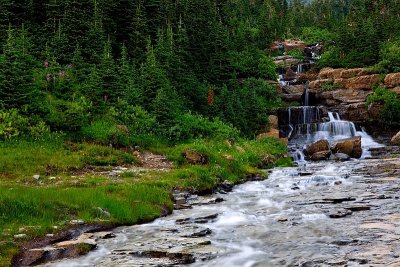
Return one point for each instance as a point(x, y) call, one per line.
point(306, 94)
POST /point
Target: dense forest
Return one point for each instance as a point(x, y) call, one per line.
point(177, 69)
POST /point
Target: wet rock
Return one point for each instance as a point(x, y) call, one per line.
point(338, 200)
point(227, 186)
point(182, 206)
point(392, 80)
point(198, 233)
point(202, 219)
point(384, 151)
point(358, 208)
point(339, 213)
point(293, 89)
point(350, 146)
point(85, 240)
point(396, 139)
point(319, 146)
point(340, 157)
point(194, 157)
point(323, 155)
point(104, 235)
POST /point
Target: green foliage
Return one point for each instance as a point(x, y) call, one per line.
point(253, 64)
point(13, 125)
point(390, 113)
point(105, 131)
point(330, 58)
point(329, 86)
point(189, 126)
point(315, 34)
point(296, 53)
point(389, 57)
point(104, 156)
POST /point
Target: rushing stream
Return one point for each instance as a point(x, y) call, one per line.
point(319, 214)
point(316, 214)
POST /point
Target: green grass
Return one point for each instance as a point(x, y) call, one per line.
point(78, 192)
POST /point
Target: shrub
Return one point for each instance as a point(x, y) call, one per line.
point(135, 118)
point(314, 34)
point(105, 131)
point(389, 57)
point(390, 113)
point(254, 63)
point(13, 124)
point(330, 58)
point(296, 53)
point(190, 126)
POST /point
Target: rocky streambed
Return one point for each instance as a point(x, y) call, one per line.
point(317, 214)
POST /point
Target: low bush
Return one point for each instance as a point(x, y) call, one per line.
point(189, 126)
point(14, 125)
point(390, 113)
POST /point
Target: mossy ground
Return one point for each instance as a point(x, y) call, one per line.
point(71, 187)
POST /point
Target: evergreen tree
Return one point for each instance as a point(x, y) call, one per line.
point(16, 71)
point(138, 35)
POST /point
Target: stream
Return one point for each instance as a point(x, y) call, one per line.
point(325, 213)
point(318, 214)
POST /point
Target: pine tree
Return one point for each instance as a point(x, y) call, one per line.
point(138, 35)
point(16, 71)
point(152, 77)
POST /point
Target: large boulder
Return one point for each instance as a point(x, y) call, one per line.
point(322, 155)
point(396, 139)
point(350, 146)
point(351, 73)
point(366, 82)
point(329, 73)
point(392, 80)
point(319, 146)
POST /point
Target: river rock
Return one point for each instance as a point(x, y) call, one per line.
point(322, 155)
point(194, 157)
point(392, 80)
point(200, 219)
point(340, 157)
point(396, 139)
point(339, 213)
point(366, 82)
point(350, 146)
point(319, 146)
